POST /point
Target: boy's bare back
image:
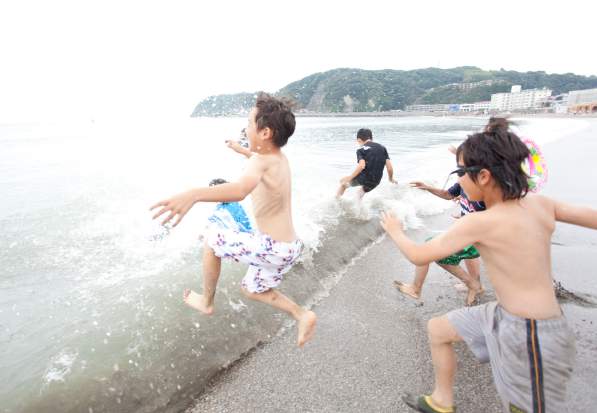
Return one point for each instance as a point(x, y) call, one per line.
point(515, 243)
point(272, 197)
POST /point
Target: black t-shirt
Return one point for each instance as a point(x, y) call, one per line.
point(375, 156)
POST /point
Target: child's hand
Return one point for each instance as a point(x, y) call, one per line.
point(418, 184)
point(390, 223)
point(177, 205)
point(235, 145)
point(345, 181)
point(392, 180)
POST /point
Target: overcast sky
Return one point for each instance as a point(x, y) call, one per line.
point(103, 59)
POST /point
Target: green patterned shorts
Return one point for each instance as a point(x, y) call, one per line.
point(468, 253)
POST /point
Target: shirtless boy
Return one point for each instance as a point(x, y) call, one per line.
point(523, 334)
point(273, 248)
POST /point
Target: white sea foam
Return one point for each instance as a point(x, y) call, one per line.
point(60, 366)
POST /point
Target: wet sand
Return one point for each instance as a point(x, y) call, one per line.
point(371, 344)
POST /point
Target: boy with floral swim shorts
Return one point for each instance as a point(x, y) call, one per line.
point(524, 334)
point(273, 247)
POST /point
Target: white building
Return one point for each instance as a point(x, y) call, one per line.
point(428, 108)
point(482, 106)
point(582, 101)
point(467, 107)
point(519, 99)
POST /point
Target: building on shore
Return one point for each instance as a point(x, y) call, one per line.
point(477, 107)
point(519, 99)
point(556, 104)
point(440, 107)
point(582, 101)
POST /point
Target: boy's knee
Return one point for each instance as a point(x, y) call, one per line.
point(432, 327)
point(440, 330)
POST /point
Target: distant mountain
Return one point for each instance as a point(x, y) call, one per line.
point(357, 90)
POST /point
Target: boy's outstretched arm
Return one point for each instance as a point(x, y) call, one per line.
point(180, 204)
point(464, 232)
point(442, 193)
point(360, 167)
point(237, 147)
point(575, 214)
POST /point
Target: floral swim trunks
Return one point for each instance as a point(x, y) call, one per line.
point(268, 259)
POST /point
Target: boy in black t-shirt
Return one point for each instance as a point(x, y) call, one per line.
point(372, 158)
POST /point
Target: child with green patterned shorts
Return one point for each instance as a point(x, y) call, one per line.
point(470, 276)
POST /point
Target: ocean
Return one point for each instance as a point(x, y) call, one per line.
point(91, 311)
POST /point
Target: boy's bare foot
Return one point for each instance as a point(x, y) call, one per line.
point(306, 327)
point(473, 296)
point(197, 301)
point(407, 289)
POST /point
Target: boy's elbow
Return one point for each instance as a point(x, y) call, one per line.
point(417, 259)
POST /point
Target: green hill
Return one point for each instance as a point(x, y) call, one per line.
point(357, 90)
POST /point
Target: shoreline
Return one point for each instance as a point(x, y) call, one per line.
point(371, 342)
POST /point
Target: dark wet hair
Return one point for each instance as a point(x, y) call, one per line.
point(501, 151)
point(364, 134)
point(217, 181)
point(276, 114)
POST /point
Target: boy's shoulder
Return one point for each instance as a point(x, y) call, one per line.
point(545, 203)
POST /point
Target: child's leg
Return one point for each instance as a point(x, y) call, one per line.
point(414, 289)
point(473, 266)
point(306, 319)
point(360, 193)
point(211, 273)
point(473, 284)
point(341, 190)
point(441, 336)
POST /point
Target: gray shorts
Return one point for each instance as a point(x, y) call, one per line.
point(531, 360)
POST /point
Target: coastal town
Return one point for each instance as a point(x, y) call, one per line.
point(518, 101)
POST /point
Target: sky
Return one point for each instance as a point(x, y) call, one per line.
point(157, 59)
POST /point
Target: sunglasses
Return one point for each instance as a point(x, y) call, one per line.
point(461, 171)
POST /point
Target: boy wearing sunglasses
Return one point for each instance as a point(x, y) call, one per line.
point(523, 334)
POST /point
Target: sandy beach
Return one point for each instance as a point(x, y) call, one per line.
point(371, 344)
